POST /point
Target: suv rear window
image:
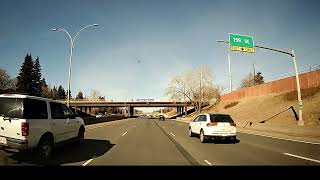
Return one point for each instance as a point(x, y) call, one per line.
point(35, 109)
point(221, 118)
point(11, 107)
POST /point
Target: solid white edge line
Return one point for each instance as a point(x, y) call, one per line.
point(307, 142)
point(172, 134)
point(124, 133)
point(301, 157)
point(87, 162)
point(209, 163)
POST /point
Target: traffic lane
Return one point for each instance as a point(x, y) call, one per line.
point(251, 151)
point(144, 145)
point(109, 131)
point(277, 145)
point(94, 145)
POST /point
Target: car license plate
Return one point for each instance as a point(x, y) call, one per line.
point(3, 140)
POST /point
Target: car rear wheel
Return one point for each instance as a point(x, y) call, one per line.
point(233, 139)
point(203, 138)
point(190, 132)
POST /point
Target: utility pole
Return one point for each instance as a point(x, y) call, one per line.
point(300, 122)
point(230, 76)
point(201, 94)
point(254, 74)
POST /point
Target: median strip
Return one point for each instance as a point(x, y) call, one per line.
point(183, 151)
point(301, 157)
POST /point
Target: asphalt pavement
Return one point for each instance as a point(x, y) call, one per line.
point(140, 141)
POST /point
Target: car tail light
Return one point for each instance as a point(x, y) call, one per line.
point(212, 124)
point(233, 124)
point(25, 129)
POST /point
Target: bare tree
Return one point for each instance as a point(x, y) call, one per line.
point(248, 81)
point(4, 80)
point(251, 80)
point(95, 95)
point(195, 86)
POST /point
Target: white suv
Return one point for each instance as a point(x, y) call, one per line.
point(217, 126)
point(28, 122)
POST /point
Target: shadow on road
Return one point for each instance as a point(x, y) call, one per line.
point(94, 120)
point(69, 153)
point(225, 141)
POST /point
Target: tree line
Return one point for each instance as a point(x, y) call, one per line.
point(30, 82)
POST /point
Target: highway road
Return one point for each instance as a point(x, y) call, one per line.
point(139, 141)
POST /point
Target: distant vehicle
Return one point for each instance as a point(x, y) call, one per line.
point(29, 122)
point(99, 115)
point(161, 118)
point(216, 126)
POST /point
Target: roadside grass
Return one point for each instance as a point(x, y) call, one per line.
point(305, 93)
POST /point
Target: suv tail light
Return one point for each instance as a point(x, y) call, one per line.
point(233, 124)
point(212, 124)
point(25, 129)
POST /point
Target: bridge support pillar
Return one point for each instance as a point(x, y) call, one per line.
point(186, 110)
point(131, 111)
point(85, 110)
point(89, 110)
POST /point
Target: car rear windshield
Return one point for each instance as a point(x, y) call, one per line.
point(11, 107)
point(221, 118)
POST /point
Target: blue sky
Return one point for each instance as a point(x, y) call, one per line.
point(140, 45)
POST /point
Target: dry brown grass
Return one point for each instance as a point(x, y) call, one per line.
point(305, 93)
point(231, 105)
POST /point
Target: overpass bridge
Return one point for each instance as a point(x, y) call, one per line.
point(84, 106)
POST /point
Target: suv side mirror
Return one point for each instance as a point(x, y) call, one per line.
point(70, 116)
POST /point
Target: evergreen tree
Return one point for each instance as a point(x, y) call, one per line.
point(61, 93)
point(80, 95)
point(258, 79)
point(69, 94)
point(54, 93)
point(25, 77)
point(37, 84)
point(45, 89)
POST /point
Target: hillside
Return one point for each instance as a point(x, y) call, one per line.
point(257, 109)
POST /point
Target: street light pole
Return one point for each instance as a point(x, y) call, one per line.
point(230, 76)
point(300, 122)
point(292, 54)
point(70, 58)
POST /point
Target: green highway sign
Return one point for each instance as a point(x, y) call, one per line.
point(241, 43)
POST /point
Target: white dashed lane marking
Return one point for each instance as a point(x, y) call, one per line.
point(301, 157)
point(87, 162)
point(124, 133)
point(209, 163)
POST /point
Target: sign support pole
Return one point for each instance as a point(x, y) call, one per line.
point(292, 54)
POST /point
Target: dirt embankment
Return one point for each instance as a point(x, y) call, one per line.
point(266, 108)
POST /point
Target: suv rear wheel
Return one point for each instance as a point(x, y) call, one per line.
point(81, 135)
point(45, 147)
